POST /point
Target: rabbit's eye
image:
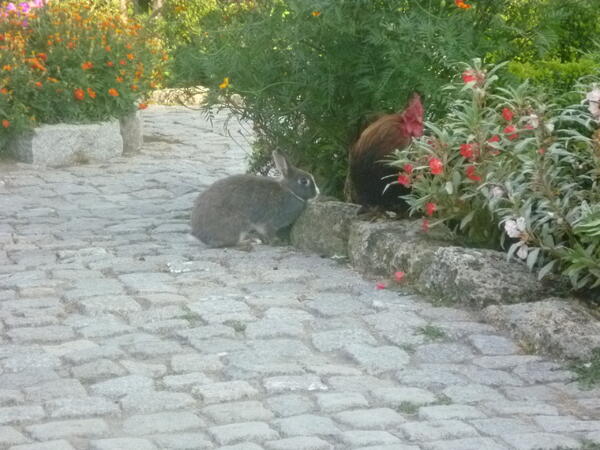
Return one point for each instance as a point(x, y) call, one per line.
point(304, 181)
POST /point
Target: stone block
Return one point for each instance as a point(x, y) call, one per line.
point(132, 132)
point(324, 227)
point(68, 144)
point(555, 326)
point(384, 247)
point(479, 277)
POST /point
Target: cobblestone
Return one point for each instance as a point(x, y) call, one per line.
point(167, 422)
point(118, 330)
point(375, 418)
point(299, 443)
point(242, 432)
point(68, 428)
point(250, 411)
point(122, 443)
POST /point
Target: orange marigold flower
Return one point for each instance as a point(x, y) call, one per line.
point(7, 67)
point(225, 83)
point(91, 93)
point(38, 83)
point(36, 64)
point(110, 63)
point(87, 65)
point(119, 79)
point(461, 4)
point(107, 48)
point(134, 87)
point(130, 56)
point(71, 44)
point(142, 105)
point(123, 62)
point(316, 13)
point(128, 46)
point(79, 94)
point(42, 56)
point(5, 123)
point(4, 91)
point(113, 92)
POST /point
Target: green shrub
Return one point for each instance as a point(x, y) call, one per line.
point(555, 77)
point(311, 75)
point(506, 164)
point(72, 61)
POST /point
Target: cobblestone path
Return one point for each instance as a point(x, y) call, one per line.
point(119, 331)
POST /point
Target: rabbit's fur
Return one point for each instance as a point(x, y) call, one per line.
point(234, 208)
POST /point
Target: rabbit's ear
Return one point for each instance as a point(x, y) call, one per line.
point(281, 163)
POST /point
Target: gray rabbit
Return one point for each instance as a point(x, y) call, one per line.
point(231, 209)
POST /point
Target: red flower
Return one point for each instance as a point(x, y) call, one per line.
point(494, 138)
point(468, 76)
point(466, 150)
point(91, 93)
point(79, 94)
point(436, 166)
point(430, 208)
point(425, 225)
point(113, 92)
point(380, 286)
point(471, 175)
point(42, 56)
point(511, 132)
point(110, 63)
point(404, 180)
point(408, 168)
point(5, 123)
point(87, 65)
point(507, 114)
point(399, 276)
point(142, 105)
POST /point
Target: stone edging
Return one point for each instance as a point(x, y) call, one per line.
point(67, 144)
point(506, 293)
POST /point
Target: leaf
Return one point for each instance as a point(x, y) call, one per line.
point(532, 258)
point(465, 221)
point(449, 187)
point(546, 269)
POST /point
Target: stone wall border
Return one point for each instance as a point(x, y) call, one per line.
point(505, 292)
point(68, 144)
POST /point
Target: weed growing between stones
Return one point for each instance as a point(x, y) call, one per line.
point(588, 373)
point(408, 408)
point(432, 332)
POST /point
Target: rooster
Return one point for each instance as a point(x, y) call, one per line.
point(369, 174)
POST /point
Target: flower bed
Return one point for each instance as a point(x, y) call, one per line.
point(506, 169)
point(71, 62)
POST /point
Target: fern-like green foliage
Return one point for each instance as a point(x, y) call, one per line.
point(312, 75)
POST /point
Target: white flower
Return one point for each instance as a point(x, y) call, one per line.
point(515, 228)
point(533, 120)
point(523, 250)
point(498, 192)
point(594, 98)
